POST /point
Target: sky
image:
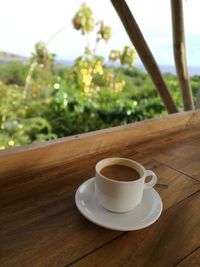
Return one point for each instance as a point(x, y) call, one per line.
point(23, 23)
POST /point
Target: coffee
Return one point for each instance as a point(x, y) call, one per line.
point(120, 173)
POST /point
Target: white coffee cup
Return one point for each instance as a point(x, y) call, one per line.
point(121, 196)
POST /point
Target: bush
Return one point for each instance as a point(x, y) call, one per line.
point(58, 101)
point(13, 73)
point(57, 107)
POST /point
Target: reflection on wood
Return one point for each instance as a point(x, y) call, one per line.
point(33, 158)
point(40, 225)
point(164, 243)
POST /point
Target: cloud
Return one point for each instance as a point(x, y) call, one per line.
point(159, 40)
point(23, 23)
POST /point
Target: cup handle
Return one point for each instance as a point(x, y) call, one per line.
point(153, 181)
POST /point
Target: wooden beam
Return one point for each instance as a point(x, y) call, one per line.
point(144, 52)
point(180, 53)
point(38, 157)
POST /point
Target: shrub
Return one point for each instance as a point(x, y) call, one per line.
point(13, 73)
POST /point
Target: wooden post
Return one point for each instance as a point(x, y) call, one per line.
point(180, 53)
point(144, 52)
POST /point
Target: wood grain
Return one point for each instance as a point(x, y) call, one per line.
point(180, 151)
point(40, 225)
point(194, 119)
point(175, 235)
point(180, 185)
point(192, 259)
point(33, 158)
point(24, 195)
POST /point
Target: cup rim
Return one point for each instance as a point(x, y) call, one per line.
point(121, 159)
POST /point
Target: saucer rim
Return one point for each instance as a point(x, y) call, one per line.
point(80, 208)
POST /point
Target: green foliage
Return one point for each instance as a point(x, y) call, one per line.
point(104, 32)
point(61, 101)
point(21, 122)
point(13, 73)
point(126, 57)
point(83, 19)
point(195, 84)
point(42, 55)
point(58, 107)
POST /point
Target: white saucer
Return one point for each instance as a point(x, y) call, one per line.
point(146, 213)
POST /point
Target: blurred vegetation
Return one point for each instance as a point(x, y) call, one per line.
point(42, 100)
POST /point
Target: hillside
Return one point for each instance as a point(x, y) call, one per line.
point(6, 57)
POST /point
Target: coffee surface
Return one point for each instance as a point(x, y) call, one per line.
point(120, 173)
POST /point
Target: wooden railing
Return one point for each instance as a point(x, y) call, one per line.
point(41, 226)
point(17, 162)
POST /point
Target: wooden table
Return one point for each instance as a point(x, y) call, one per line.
point(39, 222)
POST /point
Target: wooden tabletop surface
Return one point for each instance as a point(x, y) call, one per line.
point(41, 226)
